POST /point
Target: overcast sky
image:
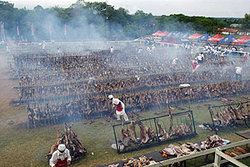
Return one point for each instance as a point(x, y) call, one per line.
point(214, 8)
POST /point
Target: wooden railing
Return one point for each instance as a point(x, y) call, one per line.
point(217, 160)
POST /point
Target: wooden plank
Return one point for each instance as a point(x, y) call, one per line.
point(225, 161)
point(239, 143)
point(202, 153)
point(186, 157)
point(230, 159)
point(217, 158)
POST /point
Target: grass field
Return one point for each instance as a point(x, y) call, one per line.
point(22, 147)
point(29, 146)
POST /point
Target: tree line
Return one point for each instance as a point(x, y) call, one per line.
point(87, 19)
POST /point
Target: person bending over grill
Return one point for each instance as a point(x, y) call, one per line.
point(61, 157)
point(120, 108)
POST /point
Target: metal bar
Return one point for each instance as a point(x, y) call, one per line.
point(209, 109)
point(229, 104)
point(118, 149)
point(175, 114)
point(186, 157)
point(157, 135)
point(193, 121)
point(243, 142)
point(230, 159)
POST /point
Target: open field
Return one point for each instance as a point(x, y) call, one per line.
point(22, 147)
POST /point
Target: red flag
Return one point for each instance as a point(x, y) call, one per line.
point(65, 29)
point(32, 30)
point(2, 27)
point(17, 31)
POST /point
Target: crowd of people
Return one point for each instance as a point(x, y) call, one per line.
point(71, 85)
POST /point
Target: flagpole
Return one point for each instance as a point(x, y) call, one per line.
point(65, 31)
point(32, 32)
point(18, 33)
point(50, 32)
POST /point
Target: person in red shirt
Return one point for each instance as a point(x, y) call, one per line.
point(61, 157)
point(120, 108)
point(245, 57)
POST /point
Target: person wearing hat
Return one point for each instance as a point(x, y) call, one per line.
point(61, 157)
point(120, 108)
point(238, 72)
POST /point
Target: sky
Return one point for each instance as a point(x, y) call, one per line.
point(211, 8)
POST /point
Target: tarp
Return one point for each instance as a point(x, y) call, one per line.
point(242, 40)
point(195, 36)
point(157, 33)
point(215, 38)
point(204, 37)
point(185, 35)
point(177, 35)
point(228, 39)
point(165, 32)
point(171, 34)
point(160, 33)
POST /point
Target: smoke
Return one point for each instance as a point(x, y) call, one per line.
point(50, 66)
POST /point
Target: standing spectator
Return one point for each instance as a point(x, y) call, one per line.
point(120, 108)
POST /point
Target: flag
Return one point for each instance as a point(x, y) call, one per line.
point(32, 30)
point(2, 28)
point(65, 29)
point(17, 31)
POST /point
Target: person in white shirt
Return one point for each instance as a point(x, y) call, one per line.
point(238, 72)
point(120, 108)
point(111, 49)
point(61, 157)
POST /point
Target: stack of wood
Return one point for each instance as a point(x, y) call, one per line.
point(69, 138)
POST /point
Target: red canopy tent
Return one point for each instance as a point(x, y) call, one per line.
point(165, 32)
point(215, 38)
point(195, 36)
point(242, 40)
point(160, 33)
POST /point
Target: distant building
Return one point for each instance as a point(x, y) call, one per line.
point(228, 31)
